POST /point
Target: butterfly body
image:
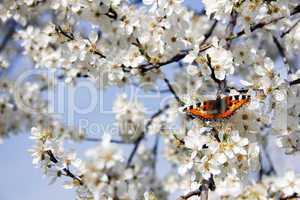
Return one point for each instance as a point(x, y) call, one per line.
point(218, 109)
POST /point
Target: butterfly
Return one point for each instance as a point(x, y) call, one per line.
point(219, 109)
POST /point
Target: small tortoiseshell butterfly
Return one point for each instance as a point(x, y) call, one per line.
point(218, 109)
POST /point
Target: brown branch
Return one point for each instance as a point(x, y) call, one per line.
point(295, 82)
point(70, 36)
point(176, 58)
point(142, 50)
point(291, 83)
point(66, 170)
point(136, 146)
point(180, 56)
point(213, 76)
point(221, 83)
point(291, 197)
point(155, 150)
point(112, 14)
point(59, 30)
point(271, 167)
point(173, 91)
point(290, 29)
point(209, 33)
point(190, 194)
point(98, 53)
point(202, 190)
point(230, 27)
point(263, 24)
point(262, 171)
point(296, 10)
point(281, 51)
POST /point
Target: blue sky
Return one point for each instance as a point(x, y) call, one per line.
point(19, 179)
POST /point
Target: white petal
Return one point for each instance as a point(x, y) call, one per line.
point(244, 142)
point(259, 70)
point(278, 95)
point(214, 170)
point(189, 58)
point(221, 158)
point(229, 154)
point(192, 70)
point(245, 83)
point(269, 64)
point(194, 154)
point(93, 36)
point(206, 175)
point(148, 2)
point(243, 152)
point(220, 74)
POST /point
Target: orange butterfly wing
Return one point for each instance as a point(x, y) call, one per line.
point(233, 103)
point(202, 111)
point(201, 114)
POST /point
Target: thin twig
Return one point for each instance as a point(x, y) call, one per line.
point(221, 83)
point(59, 30)
point(70, 36)
point(291, 197)
point(155, 150)
point(231, 26)
point(182, 54)
point(262, 170)
point(290, 29)
point(281, 51)
point(111, 13)
point(263, 24)
point(98, 53)
point(295, 82)
point(136, 145)
point(141, 137)
point(190, 194)
point(173, 91)
point(209, 32)
point(272, 168)
point(10, 26)
point(202, 190)
point(145, 67)
point(66, 170)
point(176, 58)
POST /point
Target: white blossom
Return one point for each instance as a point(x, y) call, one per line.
point(219, 7)
point(288, 185)
point(221, 61)
point(130, 117)
point(229, 49)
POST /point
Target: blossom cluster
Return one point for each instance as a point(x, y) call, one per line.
point(102, 175)
point(281, 187)
point(232, 48)
point(130, 117)
point(14, 118)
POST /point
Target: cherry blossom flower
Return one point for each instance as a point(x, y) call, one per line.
point(230, 48)
point(130, 117)
point(220, 8)
point(221, 61)
point(288, 185)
